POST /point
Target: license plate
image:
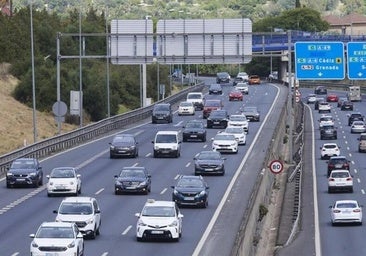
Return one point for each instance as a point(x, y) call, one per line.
point(160, 117)
point(20, 179)
point(165, 152)
point(340, 184)
point(338, 166)
point(189, 198)
point(157, 232)
point(51, 254)
point(209, 170)
point(193, 136)
point(133, 187)
point(122, 151)
point(216, 122)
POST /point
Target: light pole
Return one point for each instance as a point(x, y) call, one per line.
point(107, 63)
point(33, 76)
point(80, 72)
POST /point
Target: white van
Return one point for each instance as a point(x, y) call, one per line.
point(196, 98)
point(167, 143)
point(354, 93)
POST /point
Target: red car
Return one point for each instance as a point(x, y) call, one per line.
point(331, 97)
point(235, 95)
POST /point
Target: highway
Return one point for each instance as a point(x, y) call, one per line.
point(328, 239)
point(22, 210)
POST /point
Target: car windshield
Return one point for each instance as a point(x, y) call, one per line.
point(236, 130)
point(218, 114)
point(222, 74)
point(358, 123)
point(166, 138)
point(194, 96)
point(330, 146)
point(250, 109)
point(23, 164)
point(346, 205)
point(325, 118)
point(338, 161)
point(224, 137)
point(209, 155)
point(62, 173)
point(76, 208)
point(238, 118)
point(339, 175)
point(158, 211)
point(132, 173)
point(186, 104)
point(194, 125)
point(123, 139)
point(55, 232)
point(161, 108)
point(190, 183)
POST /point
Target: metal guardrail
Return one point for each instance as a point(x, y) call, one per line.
point(329, 85)
point(90, 132)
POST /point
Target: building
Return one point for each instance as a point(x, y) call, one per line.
point(352, 24)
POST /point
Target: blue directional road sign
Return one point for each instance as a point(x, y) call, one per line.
point(319, 61)
point(356, 56)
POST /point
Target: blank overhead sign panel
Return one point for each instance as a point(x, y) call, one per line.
point(211, 41)
point(131, 41)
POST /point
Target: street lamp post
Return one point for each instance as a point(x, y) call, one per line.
point(80, 72)
point(33, 76)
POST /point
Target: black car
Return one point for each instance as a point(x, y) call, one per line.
point(209, 162)
point(191, 191)
point(321, 90)
point(341, 100)
point(218, 118)
point(251, 113)
point(347, 105)
point(238, 80)
point(194, 130)
point(337, 163)
point(123, 145)
point(222, 77)
point(328, 132)
point(24, 171)
point(162, 112)
point(355, 117)
point(132, 180)
point(317, 101)
point(215, 89)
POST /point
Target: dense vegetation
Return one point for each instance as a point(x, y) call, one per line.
point(124, 80)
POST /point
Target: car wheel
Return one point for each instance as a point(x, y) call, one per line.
point(139, 239)
point(111, 156)
point(204, 139)
point(205, 204)
point(98, 229)
point(93, 234)
point(184, 139)
point(329, 190)
point(155, 154)
point(79, 191)
point(41, 181)
point(351, 190)
point(49, 194)
point(8, 185)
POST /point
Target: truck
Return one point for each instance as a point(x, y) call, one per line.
point(354, 93)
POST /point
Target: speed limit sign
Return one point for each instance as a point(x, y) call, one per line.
point(276, 166)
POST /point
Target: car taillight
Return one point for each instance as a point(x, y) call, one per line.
point(349, 179)
point(356, 210)
point(336, 211)
point(331, 179)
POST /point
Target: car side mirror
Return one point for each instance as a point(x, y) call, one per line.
point(115, 176)
point(32, 235)
point(79, 235)
point(55, 211)
point(152, 142)
point(172, 187)
point(137, 215)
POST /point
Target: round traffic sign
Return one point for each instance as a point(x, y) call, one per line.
point(276, 166)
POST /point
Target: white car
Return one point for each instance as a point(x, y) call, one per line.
point(311, 98)
point(242, 87)
point(238, 132)
point(186, 108)
point(56, 238)
point(346, 211)
point(358, 127)
point(340, 180)
point(159, 219)
point(324, 107)
point(326, 120)
point(64, 180)
point(329, 149)
point(239, 121)
point(224, 142)
point(243, 75)
point(84, 211)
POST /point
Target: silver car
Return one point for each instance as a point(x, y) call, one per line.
point(358, 127)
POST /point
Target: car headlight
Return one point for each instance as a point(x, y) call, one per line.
point(144, 183)
point(175, 192)
point(141, 223)
point(202, 193)
point(118, 183)
point(174, 147)
point(233, 144)
point(173, 224)
point(9, 174)
point(32, 174)
point(34, 244)
point(71, 245)
point(90, 221)
point(112, 147)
